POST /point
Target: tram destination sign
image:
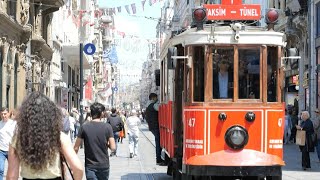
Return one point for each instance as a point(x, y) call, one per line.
point(233, 12)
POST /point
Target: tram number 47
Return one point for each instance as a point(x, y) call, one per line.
point(192, 122)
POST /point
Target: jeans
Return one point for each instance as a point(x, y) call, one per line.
point(156, 134)
point(3, 157)
point(116, 136)
point(318, 149)
point(76, 130)
point(133, 144)
point(97, 174)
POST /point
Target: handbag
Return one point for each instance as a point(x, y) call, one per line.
point(64, 163)
point(301, 138)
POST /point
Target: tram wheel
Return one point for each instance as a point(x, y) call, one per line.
point(274, 178)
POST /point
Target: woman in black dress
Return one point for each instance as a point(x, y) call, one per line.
point(307, 126)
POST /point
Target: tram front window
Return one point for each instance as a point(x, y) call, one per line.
point(249, 74)
point(222, 64)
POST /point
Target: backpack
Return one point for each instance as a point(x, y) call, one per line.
point(116, 123)
point(119, 126)
point(66, 125)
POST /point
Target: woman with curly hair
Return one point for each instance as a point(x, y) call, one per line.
point(38, 142)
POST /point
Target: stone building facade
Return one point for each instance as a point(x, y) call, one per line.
point(25, 55)
point(14, 36)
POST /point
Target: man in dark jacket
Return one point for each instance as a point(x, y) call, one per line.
point(117, 125)
point(223, 81)
point(153, 123)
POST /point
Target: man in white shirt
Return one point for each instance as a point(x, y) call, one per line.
point(7, 127)
point(133, 123)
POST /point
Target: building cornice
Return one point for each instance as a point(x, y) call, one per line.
point(12, 28)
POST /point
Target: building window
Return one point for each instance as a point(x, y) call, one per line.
point(73, 77)
point(62, 66)
point(69, 75)
point(11, 9)
point(318, 19)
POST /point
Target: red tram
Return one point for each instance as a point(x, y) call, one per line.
point(221, 111)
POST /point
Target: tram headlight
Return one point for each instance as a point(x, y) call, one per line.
point(199, 16)
point(236, 137)
point(272, 16)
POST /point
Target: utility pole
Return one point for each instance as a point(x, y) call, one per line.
point(82, 37)
point(312, 61)
point(81, 84)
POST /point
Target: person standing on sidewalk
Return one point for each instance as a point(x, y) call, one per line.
point(38, 143)
point(97, 137)
point(316, 124)
point(117, 125)
point(123, 132)
point(133, 123)
point(7, 127)
point(307, 126)
point(153, 123)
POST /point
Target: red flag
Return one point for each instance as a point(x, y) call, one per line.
point(76, 20)
point(127, 8)
point(143, 2)
point(134, 9)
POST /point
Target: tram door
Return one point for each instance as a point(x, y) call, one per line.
point(178, 106)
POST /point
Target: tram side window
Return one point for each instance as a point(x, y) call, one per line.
point(198, 73)
point(249, 74)
point(272, 74)
point(222, 64)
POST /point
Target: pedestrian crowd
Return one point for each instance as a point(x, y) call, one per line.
point(41, 140)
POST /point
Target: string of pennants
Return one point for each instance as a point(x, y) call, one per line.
point(133, 7)
point(85, 15)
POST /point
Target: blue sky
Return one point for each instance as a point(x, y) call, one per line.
point(132, 52)
point(135, 24)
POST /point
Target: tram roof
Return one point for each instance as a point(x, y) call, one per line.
point(224, 35)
